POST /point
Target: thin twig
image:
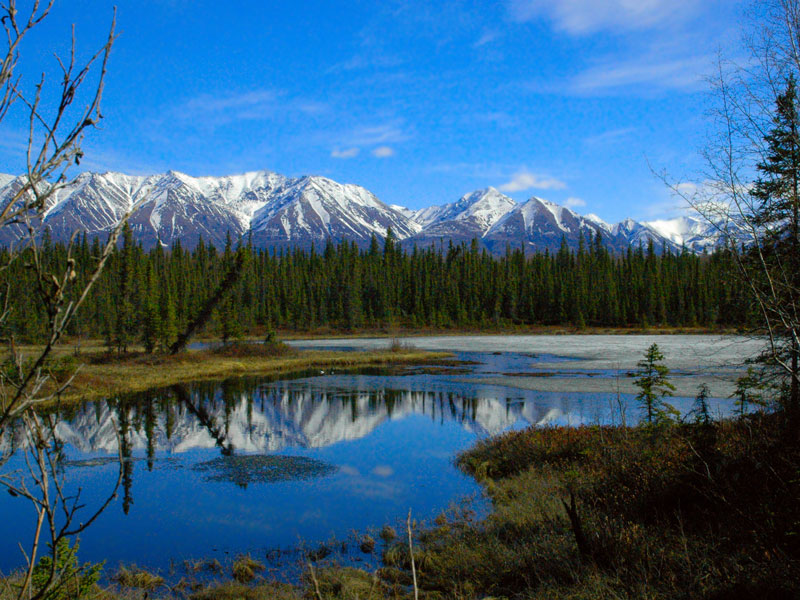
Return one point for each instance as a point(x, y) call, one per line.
point(411, 553)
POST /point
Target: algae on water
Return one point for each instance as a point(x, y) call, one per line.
point(261, 468)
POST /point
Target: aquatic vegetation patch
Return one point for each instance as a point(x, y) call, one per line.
point(245, 567)
point(244, 470)
point(98, 461)
point(138, 579)
point(233, 590)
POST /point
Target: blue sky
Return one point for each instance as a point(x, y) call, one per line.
point(576, 101)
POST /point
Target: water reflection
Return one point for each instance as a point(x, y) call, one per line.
point(254, 464)
point(252, 416)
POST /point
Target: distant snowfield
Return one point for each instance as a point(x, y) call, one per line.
point(696, 359)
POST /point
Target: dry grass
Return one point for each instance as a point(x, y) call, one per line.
point(103, 375)
point(233, 590)
point(245, 567)
point(138, 579)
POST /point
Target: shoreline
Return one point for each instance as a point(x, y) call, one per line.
point(134, 374)
point(383, 332)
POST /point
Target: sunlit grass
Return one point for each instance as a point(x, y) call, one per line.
point(100, 374)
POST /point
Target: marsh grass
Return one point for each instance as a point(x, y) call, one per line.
point(233, 590)
point(138, 579)
point(250, 350)
point(398, 345)
point(207, 565)
point(346, 583)
point(102, 375)
point(245, 568)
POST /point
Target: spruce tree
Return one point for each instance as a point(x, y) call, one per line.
point(151, 317)
point(654, 387)
point(772, 266)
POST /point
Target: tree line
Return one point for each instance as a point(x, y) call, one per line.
point(148, 297)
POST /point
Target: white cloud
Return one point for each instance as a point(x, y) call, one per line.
point(254, 105)
point(346, 153)
point(573, 202)
point(609, 137)
point(386, 133)
point(578, 17)
point(382, 152)
point(487, 37)
point(526, 181)
point(648, 72)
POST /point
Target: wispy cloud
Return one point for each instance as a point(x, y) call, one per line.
point(525, 180)
point(579, 17)
point(346, 153)
point(383, 152)
point(646, 73)
point(487, 37)
point(365, 60)
point(14, 140)
point(573, 202)
point(392, 132)
point(254, 105)
point(257, 104)
point(609, 137)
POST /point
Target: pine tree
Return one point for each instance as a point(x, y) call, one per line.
point(150, 322)
point(654, 387)
point(168, 329)
point(772, 267)
point(124, 322)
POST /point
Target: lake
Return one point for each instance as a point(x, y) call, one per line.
point(273, 467)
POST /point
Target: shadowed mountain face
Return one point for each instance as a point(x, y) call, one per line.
point(278, 212)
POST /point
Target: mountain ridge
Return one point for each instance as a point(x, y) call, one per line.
point(279, 212)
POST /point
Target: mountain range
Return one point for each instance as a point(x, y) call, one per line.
point(279, 212)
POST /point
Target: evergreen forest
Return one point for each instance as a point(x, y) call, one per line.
point(148, 297)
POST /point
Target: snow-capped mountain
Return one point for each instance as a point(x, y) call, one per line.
point(5, 180)
point(280, 212)
point(636, 234)
point(539, 224)
point(695, 234)
point(461, 221)
point(313, 209)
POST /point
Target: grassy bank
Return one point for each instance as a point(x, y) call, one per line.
point(100, 374)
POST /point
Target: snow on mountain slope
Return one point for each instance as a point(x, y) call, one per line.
point(636, 234)
point(5, 179)
point(697, 235)
point(482, 208)
point(406, 212)
point(462, 221)
point(314, 209)
point(598, 221)
point(281, 212)
point(538, 225)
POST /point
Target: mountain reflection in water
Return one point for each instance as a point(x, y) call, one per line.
point(253, 464)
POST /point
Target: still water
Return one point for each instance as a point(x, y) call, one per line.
point(255, 465)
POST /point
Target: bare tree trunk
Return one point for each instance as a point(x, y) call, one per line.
point(208, 308)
